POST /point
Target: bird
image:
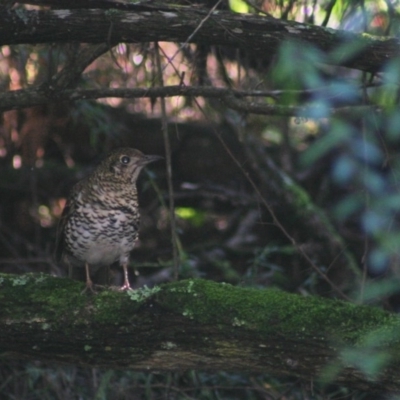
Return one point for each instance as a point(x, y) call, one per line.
point(100, 221)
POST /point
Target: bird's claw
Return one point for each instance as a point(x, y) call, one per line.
point(88, 288)
point(125, 287)
point(91, 288)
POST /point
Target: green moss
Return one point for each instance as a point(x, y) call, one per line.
point(110, 307)
point(56, 297)
point(273, 311)
point(143, 293)
point(57, 303)
point(60, 300)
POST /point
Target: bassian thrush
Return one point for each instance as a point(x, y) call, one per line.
point(100, 221)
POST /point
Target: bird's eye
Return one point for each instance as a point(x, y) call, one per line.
point(125, 160)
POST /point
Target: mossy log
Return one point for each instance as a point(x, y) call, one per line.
point(198, 324)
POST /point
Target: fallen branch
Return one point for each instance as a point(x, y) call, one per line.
point(257, 35)
point(197, 324)
point(44, 94)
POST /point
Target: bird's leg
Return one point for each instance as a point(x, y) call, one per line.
point(126, 285)
point(89, 282)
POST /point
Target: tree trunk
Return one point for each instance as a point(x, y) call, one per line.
point(197, 324)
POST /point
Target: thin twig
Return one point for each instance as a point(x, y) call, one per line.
point(367, 197)
point(29, 97)
point(275, 219)
point(193, 33)
point(282, 228)
point(168, 160)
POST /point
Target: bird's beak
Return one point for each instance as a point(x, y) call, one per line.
point(149, 159)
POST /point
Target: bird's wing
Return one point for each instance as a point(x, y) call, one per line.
point(69, 209)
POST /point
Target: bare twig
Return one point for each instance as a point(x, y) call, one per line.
point(69, 76)
point(17, 99)
point(167, 145)
point(275, 219)
point(366, 195)
point(193, 33)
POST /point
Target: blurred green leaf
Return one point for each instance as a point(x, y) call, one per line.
point(379, 289)
point(339, 133)
point(194, 216)
point(348, 206)
point(344, 169)
point(239, 6)
point(369, 361)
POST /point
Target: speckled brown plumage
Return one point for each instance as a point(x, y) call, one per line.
point(100, 221)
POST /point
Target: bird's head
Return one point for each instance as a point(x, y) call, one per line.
point(125, 164)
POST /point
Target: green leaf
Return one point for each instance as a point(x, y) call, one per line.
point(239, 6)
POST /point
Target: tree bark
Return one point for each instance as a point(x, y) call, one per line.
point(197, 324)
point(257, 35)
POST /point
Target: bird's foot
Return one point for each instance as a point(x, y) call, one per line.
point(91, 287)
point(88, 289)
point(125, 286)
